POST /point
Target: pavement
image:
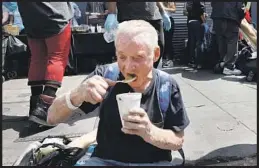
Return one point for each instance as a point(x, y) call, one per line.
point(222, 111)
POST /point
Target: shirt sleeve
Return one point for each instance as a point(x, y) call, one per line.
point(88, 107)
point(176, 118)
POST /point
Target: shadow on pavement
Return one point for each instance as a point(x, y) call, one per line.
point(26, 128)
point(226, 154)
point(241, 80)
point(193, 74)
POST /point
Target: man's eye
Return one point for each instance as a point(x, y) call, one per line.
point(122, 58)
point(136, 58)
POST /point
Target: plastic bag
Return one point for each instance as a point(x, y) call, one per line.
point(15, 46)
point(51, 151)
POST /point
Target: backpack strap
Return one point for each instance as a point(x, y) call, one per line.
point(164, 97)
point(112, 71)
point(164, 90)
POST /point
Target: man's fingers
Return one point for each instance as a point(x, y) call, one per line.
point(100, 90)
point(133, 126)
point(96, 96)
point(132, 118)
point(129, 131)
point(137, 111)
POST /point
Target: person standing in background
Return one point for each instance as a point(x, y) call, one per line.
point(48, 28)
point(196, 29)
point(227, 17)
point(152, 12)
point(168, 35)
point(96, 13)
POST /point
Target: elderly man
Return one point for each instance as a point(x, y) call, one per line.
point(148, 134)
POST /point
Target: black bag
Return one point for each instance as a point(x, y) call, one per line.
point(247, 63)
point(15, 46)
point(61, 155)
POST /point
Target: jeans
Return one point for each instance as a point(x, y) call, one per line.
point(195, 39)
point(169, 51)
point(95, 161)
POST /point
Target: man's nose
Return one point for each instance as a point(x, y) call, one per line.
point(129, 65)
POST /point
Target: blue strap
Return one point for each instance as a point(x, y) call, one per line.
point(112, 71)
point(164, 91)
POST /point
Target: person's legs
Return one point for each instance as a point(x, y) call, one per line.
point(161, 163)
point(36, 74)
point(192, 39)
point(232, 38)
point(158, 25)
point(58, 48)
point(220, 27)
point(200, 30)
point(168, 52)
point(95, 161)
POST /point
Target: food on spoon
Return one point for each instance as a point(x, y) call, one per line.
point(130, 76)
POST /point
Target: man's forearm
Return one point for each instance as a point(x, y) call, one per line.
point(85, 140)
point(58, 112)
point(165, 139)
point(112, 7)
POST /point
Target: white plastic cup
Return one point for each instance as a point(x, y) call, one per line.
point(92, 29)
point(127, 101)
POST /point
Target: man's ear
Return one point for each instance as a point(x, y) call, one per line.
point(156, 53)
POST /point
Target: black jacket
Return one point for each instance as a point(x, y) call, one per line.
point(228, 10)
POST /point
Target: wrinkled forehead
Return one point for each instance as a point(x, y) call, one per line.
point(132, 44)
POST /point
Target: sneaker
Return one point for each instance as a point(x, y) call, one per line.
point(235, 71)
point(168, 63)
point(40, 113)
point(199, 67)
point(222, 64)
point(192, 65)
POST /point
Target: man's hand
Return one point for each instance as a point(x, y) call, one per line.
point(137, 123)
point(93, 89)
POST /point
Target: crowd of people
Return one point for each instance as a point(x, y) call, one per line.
point(143, 42)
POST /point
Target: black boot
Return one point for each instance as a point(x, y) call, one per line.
point(33, 102)
point(40, 113)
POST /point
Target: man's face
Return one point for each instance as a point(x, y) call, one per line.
point(137, 59)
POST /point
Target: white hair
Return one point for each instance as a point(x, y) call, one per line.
point(138, 31)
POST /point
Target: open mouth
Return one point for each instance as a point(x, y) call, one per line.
point(130, 76)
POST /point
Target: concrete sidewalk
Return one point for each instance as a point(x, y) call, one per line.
point(222, 112)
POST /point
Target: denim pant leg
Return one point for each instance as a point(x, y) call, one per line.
point(95, 161)
point(161, 163)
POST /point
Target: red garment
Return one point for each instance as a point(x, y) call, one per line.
point(49, 58)
point(248, 17)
